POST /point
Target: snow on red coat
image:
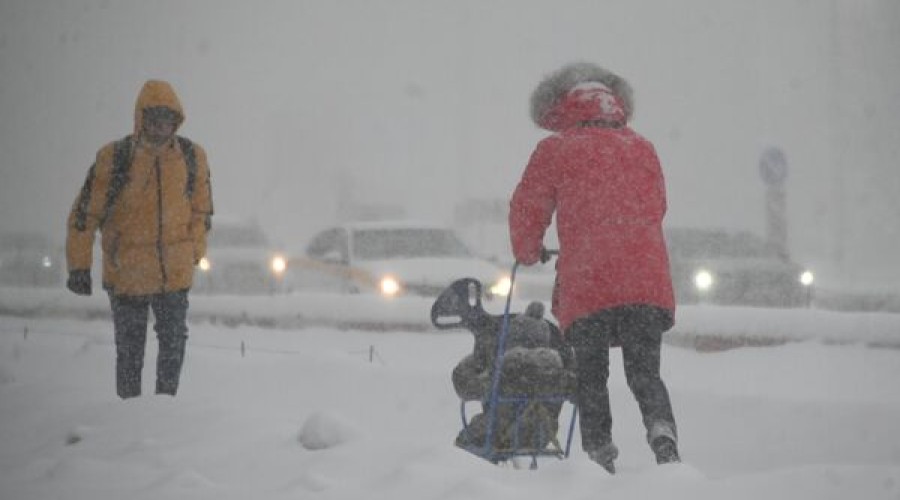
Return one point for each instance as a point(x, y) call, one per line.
point(605, 183)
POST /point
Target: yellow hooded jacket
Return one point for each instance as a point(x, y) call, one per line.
point(154, 232)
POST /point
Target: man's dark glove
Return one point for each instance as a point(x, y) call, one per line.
point(79, 282)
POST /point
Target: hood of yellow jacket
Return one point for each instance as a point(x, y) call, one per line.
point(156, 93)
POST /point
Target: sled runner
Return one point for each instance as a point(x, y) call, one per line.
point(521, 372)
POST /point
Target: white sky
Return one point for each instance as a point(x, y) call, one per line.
point(426, 103)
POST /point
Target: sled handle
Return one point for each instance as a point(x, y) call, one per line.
point(547, 253)
point(498, 364)
point(501, 348)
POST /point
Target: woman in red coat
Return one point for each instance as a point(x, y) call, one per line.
point(613, 287)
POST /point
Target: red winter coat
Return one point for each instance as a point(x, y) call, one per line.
point(605, 183)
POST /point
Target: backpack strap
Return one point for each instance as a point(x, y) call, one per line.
point(84, 200)
point(190, 159)
point(123, 154)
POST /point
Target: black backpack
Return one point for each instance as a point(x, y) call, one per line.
point(123, 155)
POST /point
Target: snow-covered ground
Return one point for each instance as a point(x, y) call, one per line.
point(703, 327)
point(331, 414)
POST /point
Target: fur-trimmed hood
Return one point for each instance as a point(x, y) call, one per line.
point(551, 93)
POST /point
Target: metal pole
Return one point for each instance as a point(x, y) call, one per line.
point(498, 366)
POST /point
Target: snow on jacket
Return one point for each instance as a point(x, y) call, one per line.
point(155, 232)
point(605, 183)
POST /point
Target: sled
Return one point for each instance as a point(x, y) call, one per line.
point(460, 306)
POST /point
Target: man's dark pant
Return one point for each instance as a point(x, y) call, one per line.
point(130, 322)
point(638, 329)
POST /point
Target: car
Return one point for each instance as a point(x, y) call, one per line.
point(240, 259)
point(393, 259)
point(30, 259)
point(721, 267)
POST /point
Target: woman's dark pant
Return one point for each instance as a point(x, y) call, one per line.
point(638, 329)
point(130, 322)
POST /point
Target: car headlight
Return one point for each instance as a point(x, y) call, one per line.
point(204, 264)
point(389, 286)
point(703, 280)
point(278, 265)
point(807, 278)
point(502, 287)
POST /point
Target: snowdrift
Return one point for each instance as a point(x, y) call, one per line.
point(705, 328)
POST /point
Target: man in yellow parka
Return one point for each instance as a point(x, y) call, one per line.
point(149, 195)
